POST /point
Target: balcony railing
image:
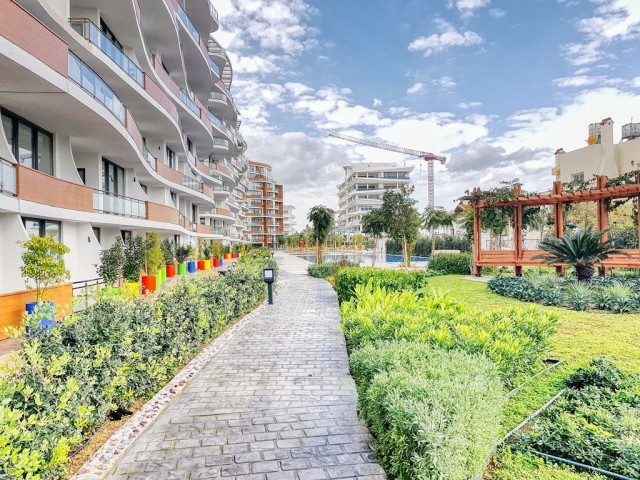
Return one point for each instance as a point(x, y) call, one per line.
point(114, 204)
point(90, 82)
point(192, 183)
point(213, 11)
point(218, 96)
point(7, 177)
point(91, 32)
point(221, 142)
point(214, 67)
point(191, 105)
point(215, 120)
point(214, 48)
point(188, 23)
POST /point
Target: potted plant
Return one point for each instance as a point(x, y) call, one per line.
point(134, 256)
point(206, 254)
point(182, 253)
point(42, 268)
point(217, 253)
point(191, 263)
point(111, 266)
point(199, 254)
point(153, 259)
point(168, 254)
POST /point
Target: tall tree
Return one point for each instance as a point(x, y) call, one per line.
point(402, 219)
point(435, 219)
point(321, 219)
point(374, 224)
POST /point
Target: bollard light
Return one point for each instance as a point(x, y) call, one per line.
point(229, 268)
point(234, 264)
point(269, 278)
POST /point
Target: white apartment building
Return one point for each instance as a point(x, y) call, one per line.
point(362, 191)
point(602, 155)
point(289, 220)
point(117, 120)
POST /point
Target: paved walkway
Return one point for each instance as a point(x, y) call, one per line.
point(276, 403)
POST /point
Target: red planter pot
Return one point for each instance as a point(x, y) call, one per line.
point(171, 271)
point(216, 262)
point(148, 284)
point(200, 264)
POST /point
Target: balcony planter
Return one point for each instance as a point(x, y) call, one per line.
point(148, 284)
point(41, 314)
point(191, 267)
point(171, 270)
point(216, 262)
point(131, 288)
point(200, 264)
point(182, 269)
point(207, 264)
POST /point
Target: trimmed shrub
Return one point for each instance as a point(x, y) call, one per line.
point(66, 382)
point(392, 280)
point(514, 339)
point(451, 263)
point(327, 270)
point(434, 414)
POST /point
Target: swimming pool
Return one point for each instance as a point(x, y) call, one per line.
point(364, 258)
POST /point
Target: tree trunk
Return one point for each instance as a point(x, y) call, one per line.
point(433, 241)
point(584, 272)
point(373, 253)
point(318, 253)
point(404, 253)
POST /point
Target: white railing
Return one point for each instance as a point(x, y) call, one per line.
point(7, 177)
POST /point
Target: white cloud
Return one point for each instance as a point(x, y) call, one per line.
point(445, 82)
point(447, 38)
point(497, 12)
point(468, 105)
point(468, 7)
point(416, 88)
point(377, 102)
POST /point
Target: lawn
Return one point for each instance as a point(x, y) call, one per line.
point(580, 337)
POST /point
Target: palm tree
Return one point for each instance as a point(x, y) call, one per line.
point(321, 218)
point(434, 219)
point(582, 249)
point(374, 224)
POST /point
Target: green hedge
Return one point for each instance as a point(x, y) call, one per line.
point(515, 339)
point(434, 414)
point(329, 269)
point(392, 280)
point(451, 263)
point(65, 383)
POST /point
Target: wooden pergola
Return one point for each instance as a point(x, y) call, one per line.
point(518, 257)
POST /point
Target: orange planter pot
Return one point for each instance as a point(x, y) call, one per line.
point(200, 264)
point(148, 284)
point(216, 262)
point(171, 271)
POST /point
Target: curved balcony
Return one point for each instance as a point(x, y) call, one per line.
point(196, 57)
point(220, 145)
point(204, 16)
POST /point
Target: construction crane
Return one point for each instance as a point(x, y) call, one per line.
point(430, 158)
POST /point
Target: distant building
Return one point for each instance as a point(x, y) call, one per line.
point(289, 220)
point(362, 191)
point(266, 210)
point(601, 156)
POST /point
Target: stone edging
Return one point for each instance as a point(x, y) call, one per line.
point(103, 461)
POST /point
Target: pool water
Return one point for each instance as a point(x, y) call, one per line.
point(363, 258)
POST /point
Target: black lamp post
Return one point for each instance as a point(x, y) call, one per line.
point(269, 278)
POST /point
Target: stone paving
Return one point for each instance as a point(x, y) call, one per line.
point(275, 403)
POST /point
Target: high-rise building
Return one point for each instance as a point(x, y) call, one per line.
point(601, 155)
point(289, 220)
point(117, 120)
point(362, 191)
point(265, 204)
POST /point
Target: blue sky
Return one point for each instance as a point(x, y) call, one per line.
point(495, 85)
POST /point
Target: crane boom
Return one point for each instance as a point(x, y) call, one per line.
point(428, 157)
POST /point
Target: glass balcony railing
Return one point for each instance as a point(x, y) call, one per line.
point(221, 142)
point(191, 105)
point(114, 204)
point(90, 82)
point(215, 120)
point(91, 32)
point(7, 177)
point(187, 22)
point(218, 96)
point(213, 11)
point(192, 183)
point(214, 48)
point(214, 67)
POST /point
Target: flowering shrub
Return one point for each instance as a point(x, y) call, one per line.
point(65, 383)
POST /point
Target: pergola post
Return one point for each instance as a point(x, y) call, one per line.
point(558, 220)
point(517, 231)
point(603, 216)
point(477, 239)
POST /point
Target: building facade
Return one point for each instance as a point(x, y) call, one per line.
point(362, 191)
point(117, 120)
point(290, 226)
point(265, 204)
point(601, 156)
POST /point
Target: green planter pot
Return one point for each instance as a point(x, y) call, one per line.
point(158, 280)
point(182, 269)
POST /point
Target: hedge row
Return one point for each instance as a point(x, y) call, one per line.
point(392, 280)
point(327, 270)
point(67, 382)
point(451, 263)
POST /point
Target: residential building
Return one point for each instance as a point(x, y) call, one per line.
point(117, 120)
point(265, 204)
point(601, 155)
point(362, 191)
point(290, 226)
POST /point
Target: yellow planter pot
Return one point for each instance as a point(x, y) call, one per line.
point(207, 264)
point(131, 288)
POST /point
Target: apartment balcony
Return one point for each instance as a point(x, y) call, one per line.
point(220, 144)
point(8, 178)
point(114, 204)
point(217, 98)
point(192, 183)
point(162, 213)
point(196, 57)
point(38, 187)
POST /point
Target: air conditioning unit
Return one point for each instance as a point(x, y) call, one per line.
point(630, 131)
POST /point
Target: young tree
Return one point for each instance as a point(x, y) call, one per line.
point(153, 256)
point(112, 262)
point(321, 218)
point(434, 219)
point(134, 257)
point(168, 251)
point(374, 224)
point(43, 264)
point(402, 219)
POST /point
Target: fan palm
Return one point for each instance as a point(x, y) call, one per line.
point(434, 219)
point(582, 249)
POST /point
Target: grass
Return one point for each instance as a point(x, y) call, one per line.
point(580, 337)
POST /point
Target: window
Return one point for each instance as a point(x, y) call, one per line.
point(189, 145)
point(30, 145)
point(174, 199)
point(176, 239)
point(171, 158)
point(96, 232)
point(577, 177)
point(41, 228)
point(126, 234)
point(112, 177)
point(83, 175)
point(194, 214)
point(109, 34)
point(144, 187)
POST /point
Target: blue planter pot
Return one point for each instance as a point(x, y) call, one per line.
point(48, 317)
point(191, 267)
